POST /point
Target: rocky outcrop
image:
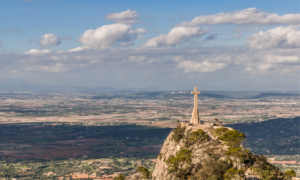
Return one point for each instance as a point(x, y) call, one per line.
point(210, 152)
point(135, 176)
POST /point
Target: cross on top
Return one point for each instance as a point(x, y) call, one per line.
point(195, 92)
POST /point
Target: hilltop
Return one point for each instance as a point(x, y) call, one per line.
point(210, 152)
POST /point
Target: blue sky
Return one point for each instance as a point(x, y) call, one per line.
point(154, 44)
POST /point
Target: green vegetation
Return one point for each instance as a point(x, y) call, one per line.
point(38, 168)
point(198, 137)
point(221, 130)
point(179, 163)
point(232, 173)
point(120, 177)
point(265, 169)
point(144, 171)
point(178, 133)
point(234, 140)
point(290, 173)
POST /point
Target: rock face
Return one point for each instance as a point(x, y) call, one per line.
point(210, 152)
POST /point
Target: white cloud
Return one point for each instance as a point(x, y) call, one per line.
point(36, 51)
point(191, 66)
point(251, 16)
point(58, 67)
point(264, 67)
point(271, 58)
point(106, 36)
point(126, 17)
point(50, 39)
point(285, 37)
point(135, 59)
point(176, 36)
point(76, 49)
point(236, 66)
point(1, 43)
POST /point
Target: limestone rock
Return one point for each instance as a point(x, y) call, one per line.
point(208, 158)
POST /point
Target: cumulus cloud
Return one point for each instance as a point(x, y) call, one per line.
point(284, 37)
point(251, 16)
point(106, 36)
point(52, 40)
point(236, 66)
point(191, 66)
point(126, 17)
point(176, 36)
point(36, 51)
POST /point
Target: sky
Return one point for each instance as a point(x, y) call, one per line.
point(157, 45)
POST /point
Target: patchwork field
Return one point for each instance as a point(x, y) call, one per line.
point(47, 141)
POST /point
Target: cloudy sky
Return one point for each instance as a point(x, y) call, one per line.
point(163, 45)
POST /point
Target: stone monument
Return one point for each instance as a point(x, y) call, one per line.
point(195, 115)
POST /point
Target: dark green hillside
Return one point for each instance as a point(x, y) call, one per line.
point(276, 136)
point(263, 95)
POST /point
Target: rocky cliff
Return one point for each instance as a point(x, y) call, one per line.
point(210, 152)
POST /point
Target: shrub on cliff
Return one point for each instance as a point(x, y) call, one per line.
point(233, 138)
point(212, 169)
point(120, 177)
point(144, 171)
point(178, 133)
point(263, 168)
point(179, 164)
point(221, 130)
point(198, 136)
point(232, 173)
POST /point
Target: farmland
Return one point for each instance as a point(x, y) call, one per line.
point(49, 135)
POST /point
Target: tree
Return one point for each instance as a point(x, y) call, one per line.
point(120, 177)
point(291, 173)
point(179, 164)
point(145, 172)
